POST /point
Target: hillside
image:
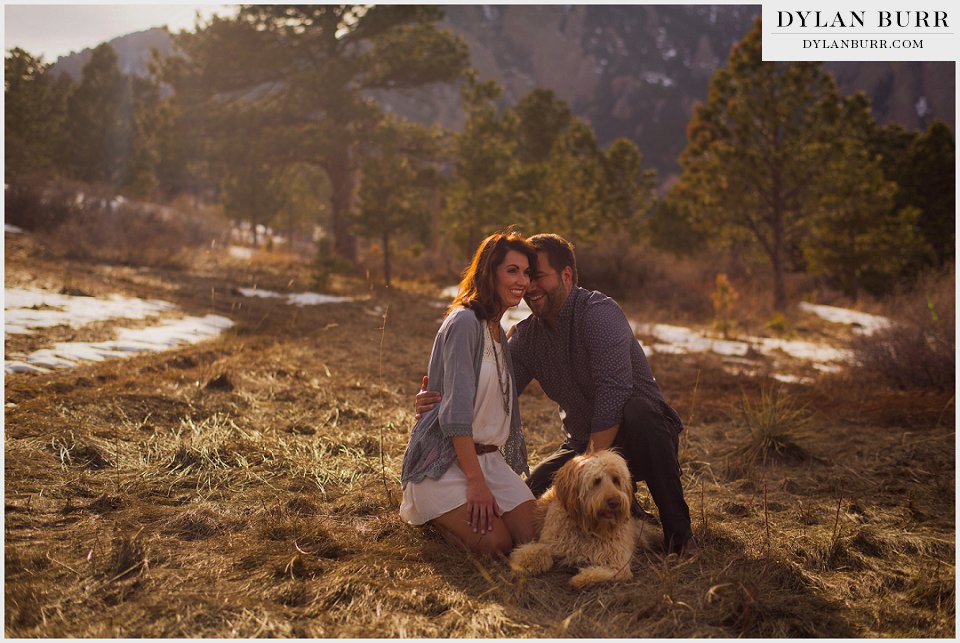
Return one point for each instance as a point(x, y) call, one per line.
point(632, 71)
point(248, 485)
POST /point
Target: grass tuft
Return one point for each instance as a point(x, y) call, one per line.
point(771, 425)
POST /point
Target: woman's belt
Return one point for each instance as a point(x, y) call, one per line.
point(485, 448)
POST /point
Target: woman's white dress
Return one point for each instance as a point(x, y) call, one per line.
point(423, 501)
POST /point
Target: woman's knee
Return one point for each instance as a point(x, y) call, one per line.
point(495, 544)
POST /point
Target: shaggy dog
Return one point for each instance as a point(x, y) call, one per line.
point(585, 518)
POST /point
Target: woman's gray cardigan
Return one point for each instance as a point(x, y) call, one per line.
point(455, 366)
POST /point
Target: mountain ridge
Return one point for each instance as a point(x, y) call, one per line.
point(630, 71)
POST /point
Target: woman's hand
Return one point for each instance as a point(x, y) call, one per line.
point(481, 506)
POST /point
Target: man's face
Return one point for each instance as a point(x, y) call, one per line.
point(547, 290)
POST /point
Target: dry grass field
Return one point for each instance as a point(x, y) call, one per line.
point(248, 487)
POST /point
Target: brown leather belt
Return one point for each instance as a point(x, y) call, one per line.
point(485, 448)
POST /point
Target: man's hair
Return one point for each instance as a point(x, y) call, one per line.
point(559, 251)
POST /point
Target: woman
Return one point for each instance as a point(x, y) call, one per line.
point(462, 465)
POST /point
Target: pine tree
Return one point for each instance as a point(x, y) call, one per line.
point(629, 192)
point(756, 152)
point(307, 67)
point(35, 107)
point(541, 119)
point(99, 136)
point(861, 237)
point(574, 182)
point(479, 200)
point(928, 182)
point(399, 178)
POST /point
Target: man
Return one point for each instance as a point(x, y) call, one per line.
point(579, 346)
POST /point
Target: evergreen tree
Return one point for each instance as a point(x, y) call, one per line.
point(35, 106)
point(541, 118)
point(629, 192)
point(575, 186)
point(304, 191)
point(671, 226)
point(928, 183)
point(757, 149)
point(399, 177)
point(98, 124)
point(479, 201)
point(307, 67)
point(857, 239)
point(146, 128)
point(862, 235)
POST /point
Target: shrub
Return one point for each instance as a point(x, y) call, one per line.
point(724, 297)
point(89, 222)
point(326, 263)
point(622, 269)
point(772, 423)
point(918, 349)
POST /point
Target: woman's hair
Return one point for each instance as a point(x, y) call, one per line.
point(477, 289)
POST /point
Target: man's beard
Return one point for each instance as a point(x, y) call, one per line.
point(552, 303)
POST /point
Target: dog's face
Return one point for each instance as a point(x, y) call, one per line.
point(595, 490)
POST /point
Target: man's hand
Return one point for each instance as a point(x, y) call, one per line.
point(600, 440)
point(426, 400)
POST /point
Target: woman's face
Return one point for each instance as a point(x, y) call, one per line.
point(511, 278)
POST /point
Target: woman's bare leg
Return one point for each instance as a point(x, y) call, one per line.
point(455, 528)
point(519, 522)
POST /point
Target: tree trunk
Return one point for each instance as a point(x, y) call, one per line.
point(341, 200)
point(779, 287)
point(779, 265)
point(387, 273)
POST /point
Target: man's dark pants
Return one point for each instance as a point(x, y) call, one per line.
point(649, 444)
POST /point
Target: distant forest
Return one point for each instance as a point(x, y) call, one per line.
point(268, 115)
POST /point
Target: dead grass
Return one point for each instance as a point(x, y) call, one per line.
point(89, 223)
point(919, 350)
point(771, 426)
point(141, 502)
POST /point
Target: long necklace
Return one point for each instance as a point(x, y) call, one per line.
point(503, 377)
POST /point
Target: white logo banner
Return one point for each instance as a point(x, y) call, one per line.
point(859, 30)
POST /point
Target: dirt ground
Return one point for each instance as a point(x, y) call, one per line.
point(248, 486)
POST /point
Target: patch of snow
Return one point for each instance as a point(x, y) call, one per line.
point(810, 351)
point(239, 252)
point(168, 334)
point(27, 309)
point(679, 340)
point(12, 229)
point(792, 379)
point(295, 299)
point(256, 292)
point(867, 324)
point(22, 367)
point(312, 299)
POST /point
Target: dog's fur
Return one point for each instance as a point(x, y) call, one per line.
point(584, 520)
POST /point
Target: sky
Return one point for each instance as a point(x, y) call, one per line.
point(54, 30)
